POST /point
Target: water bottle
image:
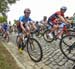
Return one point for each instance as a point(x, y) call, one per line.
point(24, 40)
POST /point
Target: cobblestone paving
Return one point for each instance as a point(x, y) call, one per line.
point(52, 56)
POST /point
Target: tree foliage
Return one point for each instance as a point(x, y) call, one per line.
point(3, 19)
point(4, 6)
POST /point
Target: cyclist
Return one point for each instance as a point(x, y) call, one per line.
point(57, 16)
point(5, 29)
point(44, 21)
point(24, 26)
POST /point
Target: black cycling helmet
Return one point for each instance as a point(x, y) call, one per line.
point(63, 8)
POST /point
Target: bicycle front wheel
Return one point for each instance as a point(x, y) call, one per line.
point(7, 38)
point(34, 50)
point(47, 37)
point(67, 46)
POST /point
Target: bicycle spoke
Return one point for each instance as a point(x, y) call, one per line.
point(67, 46)
point(34, 50)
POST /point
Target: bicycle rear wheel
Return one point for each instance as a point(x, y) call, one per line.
point(67, 46)
point(19, 44)
point(34, 50)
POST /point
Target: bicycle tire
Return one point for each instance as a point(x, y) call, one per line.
point(41, 53)
point(18, 45)
point(17, 39)
point(39, 35)
point(61, 47)
point(46, 38)
point(7, 38)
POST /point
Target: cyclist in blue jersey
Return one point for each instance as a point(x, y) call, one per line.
point(5, 29)
point(24, 25)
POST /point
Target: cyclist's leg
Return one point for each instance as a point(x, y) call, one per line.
point(53, 26)
point(60, 31)
point(4, 33)
point(24, 35)
point(20, 42)
point(27, 29)
point(53, 29)
point(19, 38)
point(49, 27)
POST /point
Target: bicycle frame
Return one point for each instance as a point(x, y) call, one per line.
point(26, 41)
point(64, 30)
point(41, 32)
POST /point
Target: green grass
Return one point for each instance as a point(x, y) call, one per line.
point(6, 60)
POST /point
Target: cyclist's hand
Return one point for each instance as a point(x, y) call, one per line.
point(24, 31)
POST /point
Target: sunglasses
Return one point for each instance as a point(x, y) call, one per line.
point(27, 12)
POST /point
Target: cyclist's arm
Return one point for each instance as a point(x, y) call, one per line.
point(21, 25)
point(69, 21)
point(21, 20)
point(62, 19)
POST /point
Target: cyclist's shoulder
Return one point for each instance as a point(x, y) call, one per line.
point(57, 12)
point(21, 17)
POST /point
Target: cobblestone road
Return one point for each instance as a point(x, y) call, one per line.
point(52, 56)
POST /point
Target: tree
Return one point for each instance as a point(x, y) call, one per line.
point(15, 21)
point(4, 6)
point(3, 19)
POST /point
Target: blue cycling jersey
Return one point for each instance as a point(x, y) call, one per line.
point(24, 19)
point(5, 27)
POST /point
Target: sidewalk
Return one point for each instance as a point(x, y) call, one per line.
point(23, 60)
point(6, 59)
